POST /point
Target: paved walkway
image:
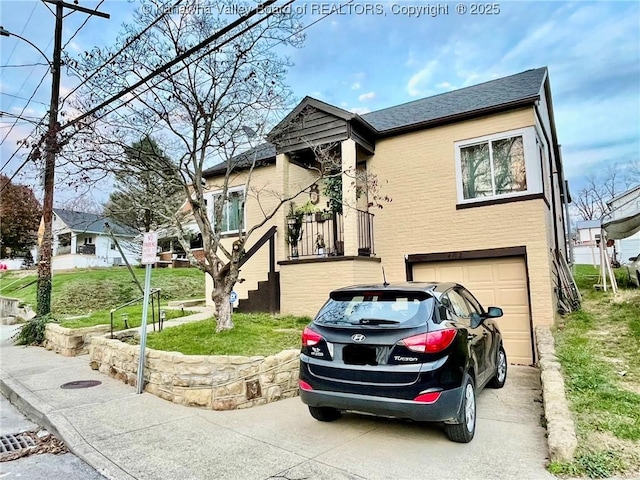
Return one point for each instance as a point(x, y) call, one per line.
point(129, 436)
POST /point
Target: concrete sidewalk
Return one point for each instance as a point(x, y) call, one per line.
point(128, 436)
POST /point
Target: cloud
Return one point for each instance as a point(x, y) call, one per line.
point(367, 96)
point(360, 110)
point(356, 86)
point(419, 82)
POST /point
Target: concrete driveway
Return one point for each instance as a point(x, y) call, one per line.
point(126, 436)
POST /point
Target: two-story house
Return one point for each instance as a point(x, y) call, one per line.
point(477, 195)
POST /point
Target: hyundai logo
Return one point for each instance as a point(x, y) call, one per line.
point(358, 337)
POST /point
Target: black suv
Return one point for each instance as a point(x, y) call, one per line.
point(411, 350)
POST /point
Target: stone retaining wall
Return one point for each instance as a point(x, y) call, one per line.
point(561, 432)
point(71, 342)
point(211, 381)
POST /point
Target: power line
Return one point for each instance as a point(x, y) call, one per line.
point(22, 145)
point(24, 27)
point(24, 65)
point(22, 98)
point(26, 105)
point(125, 46)
point(260, 8)
point(218, 46)
point(81, 26)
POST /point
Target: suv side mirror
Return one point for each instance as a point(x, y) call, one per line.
point(475, 320)
point(494, 312)
point(633, 259)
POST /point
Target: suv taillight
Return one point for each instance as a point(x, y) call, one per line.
point(310, 338)
point(432, 342)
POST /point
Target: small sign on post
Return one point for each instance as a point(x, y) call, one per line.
point(149, 252)
point(233, 297)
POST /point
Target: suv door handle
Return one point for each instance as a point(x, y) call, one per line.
point(470, 336)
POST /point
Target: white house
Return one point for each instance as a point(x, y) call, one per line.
point(624, 218)
point(585, 247)
point(81, 240)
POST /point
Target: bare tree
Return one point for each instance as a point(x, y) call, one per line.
point(591, 201)
point(197, 112)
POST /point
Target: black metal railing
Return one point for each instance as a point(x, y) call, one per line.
point(323, 236)
point(365, 234)
point(88, 249)
point(154, 299)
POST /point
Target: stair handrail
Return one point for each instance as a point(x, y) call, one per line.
point(152, 292)
point(268, 235)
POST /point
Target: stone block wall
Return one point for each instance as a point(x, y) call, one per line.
point(71, 342)
point(215, 382)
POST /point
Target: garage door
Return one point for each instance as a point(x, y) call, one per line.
point(500, 282)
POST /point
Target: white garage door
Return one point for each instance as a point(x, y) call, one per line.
point(500, 282)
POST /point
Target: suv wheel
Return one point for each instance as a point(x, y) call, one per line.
point(324, 414)
point(463, 431)
point(501, 370)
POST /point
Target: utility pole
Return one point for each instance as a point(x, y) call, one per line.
point(51, 149)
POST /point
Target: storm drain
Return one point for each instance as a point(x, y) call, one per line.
point(15, 443)
point(81, 384)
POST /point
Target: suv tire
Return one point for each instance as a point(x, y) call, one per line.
point(464, 430)
point(501, 370)
point(324, 414)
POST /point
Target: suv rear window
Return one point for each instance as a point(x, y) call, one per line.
point(376, 308)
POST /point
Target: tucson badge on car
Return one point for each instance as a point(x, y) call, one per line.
point(420, 351)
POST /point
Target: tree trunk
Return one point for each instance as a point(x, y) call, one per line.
point(223, 307)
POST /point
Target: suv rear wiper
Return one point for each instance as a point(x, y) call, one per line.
point(377, 321)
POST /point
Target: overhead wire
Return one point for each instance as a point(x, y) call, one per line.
point(260, 8)
point(88, 17)
point(24, 27)
point(125, 46)
point(26, 104)
point(232, 38)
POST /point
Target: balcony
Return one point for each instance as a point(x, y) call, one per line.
point(324, 237)
point(88, 249)
point(63, 250)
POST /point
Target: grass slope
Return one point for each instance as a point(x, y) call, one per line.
point(599, 348)
point(85, 290)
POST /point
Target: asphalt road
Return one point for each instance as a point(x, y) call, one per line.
point(44, 466)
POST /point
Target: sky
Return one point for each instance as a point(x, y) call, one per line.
point(373, 55)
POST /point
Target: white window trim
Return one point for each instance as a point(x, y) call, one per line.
point(211, 203)
point(531, 161)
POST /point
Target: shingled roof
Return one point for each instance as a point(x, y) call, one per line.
point(488, 97)
point(92, 223)
point(495, 93)
point(264, 154)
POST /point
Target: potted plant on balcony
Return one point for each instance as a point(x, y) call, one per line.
point(294, 229)
point(308, 210)
point(320, 246)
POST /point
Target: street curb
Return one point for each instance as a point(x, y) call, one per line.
point(56, 423)
point(561, 432)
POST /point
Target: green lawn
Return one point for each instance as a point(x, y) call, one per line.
point(599, 349)
point(254, 334)
point(134, 314)
point(88, 290)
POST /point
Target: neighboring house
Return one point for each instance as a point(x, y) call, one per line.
point(586, 250)
point(81, 240)
point(478, 197)
point(626, 209)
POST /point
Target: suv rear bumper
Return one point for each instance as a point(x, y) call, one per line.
point(444, 409)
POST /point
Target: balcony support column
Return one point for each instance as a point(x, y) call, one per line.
point(74, 243)
point(349, 197)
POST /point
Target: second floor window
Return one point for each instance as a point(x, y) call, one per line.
point(232, 210)
point(493, 168)
point(501, 165)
